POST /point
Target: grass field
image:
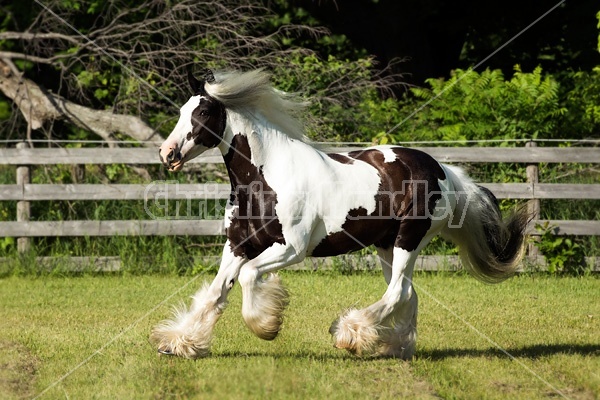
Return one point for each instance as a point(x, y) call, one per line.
point(86, 337)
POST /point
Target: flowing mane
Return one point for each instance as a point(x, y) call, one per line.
point(251, 92)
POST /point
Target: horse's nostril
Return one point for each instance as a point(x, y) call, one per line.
point(170, 156)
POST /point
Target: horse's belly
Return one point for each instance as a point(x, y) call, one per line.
point(357, 232)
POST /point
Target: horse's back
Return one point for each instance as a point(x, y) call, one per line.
point(389, 158)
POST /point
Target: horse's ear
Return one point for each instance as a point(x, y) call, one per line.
point(195, 84)
point(198, 85)
point(209, 77)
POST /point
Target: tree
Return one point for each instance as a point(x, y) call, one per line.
point(38, 106)
point(435, 37)
point(117, 68)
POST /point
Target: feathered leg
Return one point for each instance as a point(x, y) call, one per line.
point(188, 334)
point(376, 330)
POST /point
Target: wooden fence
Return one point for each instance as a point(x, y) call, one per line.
point(24, 192)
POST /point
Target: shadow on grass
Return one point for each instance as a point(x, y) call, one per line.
point(323, 356)
point(319, 356)
point(532, 352)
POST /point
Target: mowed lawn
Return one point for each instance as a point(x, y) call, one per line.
point(87, 337)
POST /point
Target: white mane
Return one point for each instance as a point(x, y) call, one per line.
point(250, 92)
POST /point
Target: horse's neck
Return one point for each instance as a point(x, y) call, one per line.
point(249, 145)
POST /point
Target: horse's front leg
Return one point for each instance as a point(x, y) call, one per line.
point(264, 296)
point(189, 333)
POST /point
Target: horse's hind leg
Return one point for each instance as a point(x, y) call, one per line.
point(386, 257)
point(189, 333)
point(400, 338)
point(387, 327)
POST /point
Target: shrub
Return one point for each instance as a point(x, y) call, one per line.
point(563, 254)
point(482, 106)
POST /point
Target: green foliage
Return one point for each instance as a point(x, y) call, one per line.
point(376, 116)
point(287, 13)
point(563, 254)
point(6, 244)
point(483, 106)
point(4, 109)
point(337, 118)
point(582, 99)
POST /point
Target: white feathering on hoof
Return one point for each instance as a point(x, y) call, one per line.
point(189, 333)
point(399, 341)
point(263, 314)
point(355, 332)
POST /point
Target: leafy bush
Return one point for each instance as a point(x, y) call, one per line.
point(563, 254)
point(333, 115)
point(478, 106)
point(582, 100)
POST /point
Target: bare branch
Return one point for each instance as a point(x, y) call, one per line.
point(37, 36)
point(39, 106)
point(9, 55)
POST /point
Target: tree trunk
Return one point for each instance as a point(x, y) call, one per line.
point(39, 106)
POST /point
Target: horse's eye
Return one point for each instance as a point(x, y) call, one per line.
point(204, 113)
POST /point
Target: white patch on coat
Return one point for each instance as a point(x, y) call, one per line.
point(312, 189)
point(230, 210)
point(184, 124)
point(388, 154)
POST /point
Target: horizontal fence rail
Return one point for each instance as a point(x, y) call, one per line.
point(179, 191)
point(138, 155)
point(204, 227)
point(199, 227)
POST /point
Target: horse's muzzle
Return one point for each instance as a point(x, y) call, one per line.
point(171, 160)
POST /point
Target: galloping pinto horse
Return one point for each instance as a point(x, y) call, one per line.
point(290, 201)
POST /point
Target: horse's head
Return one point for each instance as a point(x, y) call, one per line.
point(200, 127)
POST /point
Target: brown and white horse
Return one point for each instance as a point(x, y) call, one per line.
point(290, 201)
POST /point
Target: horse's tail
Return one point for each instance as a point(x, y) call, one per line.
point(490, 247)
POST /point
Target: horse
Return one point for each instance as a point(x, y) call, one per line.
point(289, 200)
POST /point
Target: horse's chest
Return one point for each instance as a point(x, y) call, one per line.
point(253, 222)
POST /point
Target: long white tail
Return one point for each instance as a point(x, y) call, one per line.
point(490, 247)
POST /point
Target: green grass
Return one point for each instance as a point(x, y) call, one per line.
point(86, 337)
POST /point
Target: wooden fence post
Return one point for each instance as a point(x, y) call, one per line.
point(533, 205)
point(23, 207)
point(78, 173)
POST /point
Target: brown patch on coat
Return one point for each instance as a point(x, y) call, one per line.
point(254, 226)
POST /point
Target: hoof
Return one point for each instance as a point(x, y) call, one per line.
point(355, 332)
point(400, 342)
point(176, 343)
point(166, 352)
